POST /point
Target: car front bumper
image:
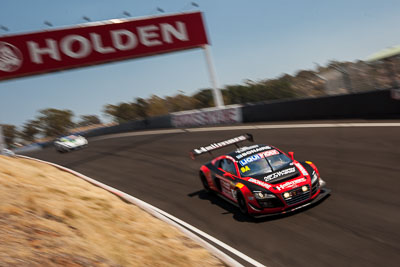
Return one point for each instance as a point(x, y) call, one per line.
point(324, 192)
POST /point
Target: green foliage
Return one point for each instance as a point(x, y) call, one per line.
point(180, 102)
point(87, 120)
point(203, 99)
point(29, 130)
point(122, 112)
point(157, 106)
point(54, 122)
point(140, 107)
point(232, 94)
point(260, 91)
point(9, 133)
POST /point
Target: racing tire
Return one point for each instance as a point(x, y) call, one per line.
point(242, 203)
point(204, 182)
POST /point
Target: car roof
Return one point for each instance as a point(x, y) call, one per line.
point(246, 151)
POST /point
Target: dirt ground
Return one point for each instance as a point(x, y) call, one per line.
point(52, 218)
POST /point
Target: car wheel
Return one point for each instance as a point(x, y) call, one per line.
point(204, 182)
point(242, 203)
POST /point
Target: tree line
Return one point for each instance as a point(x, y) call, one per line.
point(50, 122)
point(53, 122)
point(232, 94)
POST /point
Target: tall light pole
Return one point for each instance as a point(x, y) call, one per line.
point(218, 100)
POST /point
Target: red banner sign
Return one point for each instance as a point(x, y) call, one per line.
point(99, 42)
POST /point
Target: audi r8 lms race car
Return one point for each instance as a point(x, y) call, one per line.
point(70, 142)
point(260, 179)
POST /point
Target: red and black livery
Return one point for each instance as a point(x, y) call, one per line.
point(260, 179)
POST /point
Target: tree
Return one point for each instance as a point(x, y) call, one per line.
point(9, 133)
point(122, 112)
point(237, 94)
point(203, 99)
point(140, 106)
point(180, 102)
point(156, 106)
point(29, 130)
point(279, 89)
point(87, 120)
point(54, 122)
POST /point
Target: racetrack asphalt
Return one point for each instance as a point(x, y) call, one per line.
point(358, 225)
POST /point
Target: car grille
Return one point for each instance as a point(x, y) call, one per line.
point(270, 203)
point(298, 197)
point(315, 187)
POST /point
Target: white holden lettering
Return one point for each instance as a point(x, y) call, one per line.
point(36, 52)
point(130, 43)
point(147, 35)
point(98, 44)
point(84, 46)
point(77, 46)
point(167, 31)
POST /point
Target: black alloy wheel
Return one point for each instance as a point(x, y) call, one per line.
point(242, 203)
point(205, 183)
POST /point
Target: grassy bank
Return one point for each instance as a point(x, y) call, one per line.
point(49, 217)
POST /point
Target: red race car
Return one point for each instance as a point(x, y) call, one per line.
point(260, 179)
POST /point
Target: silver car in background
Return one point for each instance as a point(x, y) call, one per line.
point(70, 142)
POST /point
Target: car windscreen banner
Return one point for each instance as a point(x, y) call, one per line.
point(99, 42)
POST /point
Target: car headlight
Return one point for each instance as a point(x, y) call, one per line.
point(314, 177)
point(263, 195)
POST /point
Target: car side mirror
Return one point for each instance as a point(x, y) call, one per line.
point(291, 155)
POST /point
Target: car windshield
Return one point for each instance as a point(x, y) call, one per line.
point(70, 138)
point(265, 165)
point(278, 162)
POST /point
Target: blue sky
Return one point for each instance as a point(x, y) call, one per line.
point(254, 39)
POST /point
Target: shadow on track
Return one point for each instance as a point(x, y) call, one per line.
point(238, 216)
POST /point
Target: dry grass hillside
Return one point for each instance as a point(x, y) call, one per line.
point(51, 218)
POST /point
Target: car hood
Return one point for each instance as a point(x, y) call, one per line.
point(279, 176)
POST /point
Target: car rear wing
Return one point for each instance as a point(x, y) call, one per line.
point(218, 145)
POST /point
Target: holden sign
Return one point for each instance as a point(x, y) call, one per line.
point(97, 43)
